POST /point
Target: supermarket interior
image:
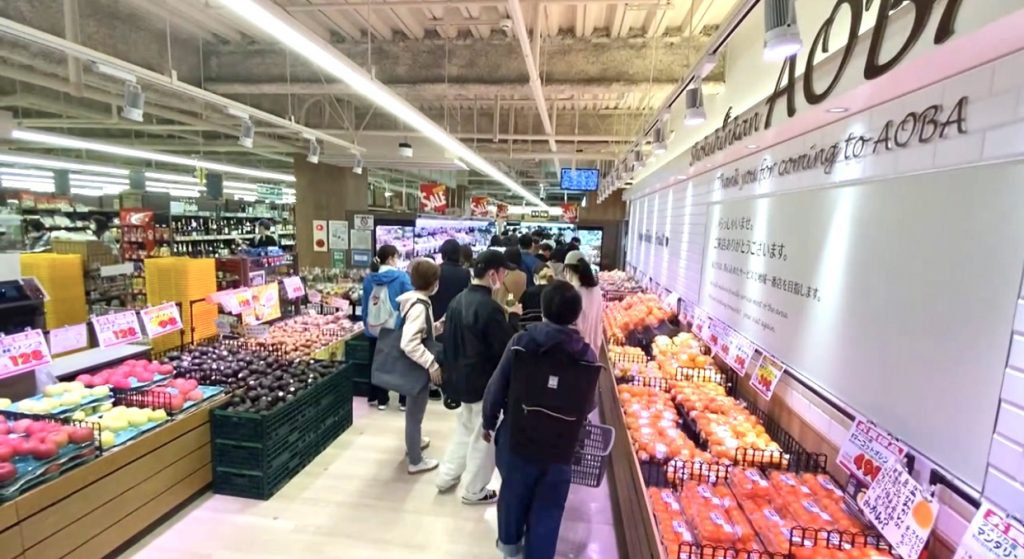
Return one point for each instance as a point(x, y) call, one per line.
point(538, 279)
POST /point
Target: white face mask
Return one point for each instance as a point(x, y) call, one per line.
point(433, 290)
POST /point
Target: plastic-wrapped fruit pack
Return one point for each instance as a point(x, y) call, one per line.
point(668, 515)
point(653, 425)
point(806, 508)
point(722, 421)
point(715, 517)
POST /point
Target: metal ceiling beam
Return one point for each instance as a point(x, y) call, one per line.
point(515, 11)
point(419, 90)
point(379, 5)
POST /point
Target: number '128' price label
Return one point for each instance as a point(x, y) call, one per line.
point(23, 352)
point(117, 329)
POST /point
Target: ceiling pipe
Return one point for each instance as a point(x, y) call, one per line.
point(377, 4)
point(515, 11)
point(74, 49)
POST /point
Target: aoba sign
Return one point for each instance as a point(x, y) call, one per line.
point(814, 93)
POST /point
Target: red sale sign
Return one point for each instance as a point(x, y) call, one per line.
point(570, 213)
point(501, 211)
point(116, 329)
point(162, 319)
point(433, 198)
point(478, 206)
point(23, 352)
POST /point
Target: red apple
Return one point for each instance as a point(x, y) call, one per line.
point(121, 383)
point(58, 438)
point(153, 367)
point(189, 385)
point(129, 362)
point(38, 428)
point(20, 446)
point(194, 396)
point(42, 451)
point(5, 428)
point(101, 378)
point(144, 376)
point(7, 472)
point(21, 426)
point(177, 402)
point(6, 452)
point(166, 370)
point(81, 435)
point(87, 380)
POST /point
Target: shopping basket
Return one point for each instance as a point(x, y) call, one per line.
point(591, 458)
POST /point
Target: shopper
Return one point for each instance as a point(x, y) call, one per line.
point(454, 278)
point(418, 324)
point(544, 251)
point(101, 229)
point(496, 242)
point(381, 289)
point(543, 390)
point(514, 284)
point(38, 238)
point(466, 255)
point(557, 260)
point(528, 249)
point(531, 298)
point(477, 331)
point(264, 238)
point(579, 272)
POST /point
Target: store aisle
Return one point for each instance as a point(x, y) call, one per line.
point(356, 501)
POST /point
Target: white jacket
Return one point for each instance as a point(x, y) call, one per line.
point(414, 329)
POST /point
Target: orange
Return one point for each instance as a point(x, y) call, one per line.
point(923, 515)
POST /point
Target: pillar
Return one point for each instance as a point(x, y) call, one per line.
point(323, 192)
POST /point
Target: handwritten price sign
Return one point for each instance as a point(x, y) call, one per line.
point(901, 511)
point(766, 377)
point(116, 329)
point(23, 352)
point(991, 536)
point(293, 287)
point(161, 320)
point(868, 449)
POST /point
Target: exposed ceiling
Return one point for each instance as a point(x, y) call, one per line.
point(604, 66)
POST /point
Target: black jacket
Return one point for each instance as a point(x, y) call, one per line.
point(476, 333)
point(531, 304)
point(454, 279)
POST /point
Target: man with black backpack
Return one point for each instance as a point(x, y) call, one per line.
point(543, 390)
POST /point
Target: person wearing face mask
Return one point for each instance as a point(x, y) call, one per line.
point(381, 289)
point(476, 333)
point(580, 273)
point(418, 325)
point(38, 238)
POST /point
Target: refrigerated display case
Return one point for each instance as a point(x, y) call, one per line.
point(432, 231)
point(401, 234)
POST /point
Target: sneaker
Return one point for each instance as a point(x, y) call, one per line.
point(424, 443)
point(425, 465)
point(382, 407)
point(447, 485)
point(401, 407)
point(489, 497)
point(435, 394)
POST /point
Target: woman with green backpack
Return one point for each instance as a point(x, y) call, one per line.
point(381, 290)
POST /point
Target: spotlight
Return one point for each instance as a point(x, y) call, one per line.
point(134, 101)
point(405, 149)
point(695, 113)
point(313, 155)
point(357, 167)
point(781, 32)
point(247, 134)
point(707, 65)
point(659, 145)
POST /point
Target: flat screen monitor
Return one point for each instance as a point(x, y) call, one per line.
point(580, 180)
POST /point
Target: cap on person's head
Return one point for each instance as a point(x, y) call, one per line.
point(548, 245)
point(574, 257)
point(560, 303)
point(490, 260)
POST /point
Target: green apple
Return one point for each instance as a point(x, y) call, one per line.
point(102, 390)
point(157, 415)
point(113, 423)
point(78, 416)
point(137, 417)
point(106, 439)
point(5, 403)
point(54, 389)
point(46, 405)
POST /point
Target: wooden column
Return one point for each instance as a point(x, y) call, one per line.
point(324, 192)
point(609, 215)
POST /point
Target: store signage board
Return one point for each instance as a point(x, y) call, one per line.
point(69, 338)
point(991, 535)
point(293, 287)
point(433, 198)
point(740, 352)
point(23, 352)
point(234, 301)
point(766, 376)
point(337, 238)
point(900, 509)
point(269, 192)
point(361, 258)
point(117, 329)
point(339, 261)
point(161, 319)
point(478, 206)
point(570, 213)
point(361, 240)
point(265, 305)
point(117, 270)
point(363, 222)
point(868, 449)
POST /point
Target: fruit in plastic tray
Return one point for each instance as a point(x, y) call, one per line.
point(723, 422)
point(142, 370)
point(668, 515)
point(617, 280)
point(653, 426)
point(633, 312)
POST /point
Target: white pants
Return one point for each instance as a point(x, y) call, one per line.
point(468, 454)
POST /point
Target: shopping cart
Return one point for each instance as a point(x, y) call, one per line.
point(591, 458)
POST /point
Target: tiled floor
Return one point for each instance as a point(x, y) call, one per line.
point(356, 501)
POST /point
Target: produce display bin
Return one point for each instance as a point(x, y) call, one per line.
point(357, 350)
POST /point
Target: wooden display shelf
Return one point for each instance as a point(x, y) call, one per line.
point(94, 509)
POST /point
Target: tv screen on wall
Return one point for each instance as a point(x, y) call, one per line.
point(579, 180)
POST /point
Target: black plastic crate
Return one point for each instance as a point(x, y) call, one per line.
point(357, 350)
point(360, 389)
point(357, 371)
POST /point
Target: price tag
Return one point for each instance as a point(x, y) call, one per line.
point(293, 287)
point(700, 323)
point(899, 508)
point(338, 302)
point(314, 296)
point(162, 319)
point(766, 377)
point(868, 449)
point(990, 536)
point(740, 352)
point(116, 329)
point(257, 331)
point(23, 352)
point(69, 338)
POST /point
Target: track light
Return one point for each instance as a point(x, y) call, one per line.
point(134, 101)
point(313, 155)
point(781, 32)
point(694, 98)
point(405, 149)
point(659, 143)
point(707, 65)
point(247, 134)
point(357, 167)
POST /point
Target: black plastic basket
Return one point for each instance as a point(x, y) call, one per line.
point(591, 459)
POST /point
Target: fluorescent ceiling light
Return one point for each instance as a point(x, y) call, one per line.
point(243, 192)
point(31, 172)
point(111, 188)
point(159, 184)
point(237, 184)
point(98, 178)
point(59, 164)
point(87, 192)
point(64, 141)
point(172, 178)
point(175, 192)
point(277, 23)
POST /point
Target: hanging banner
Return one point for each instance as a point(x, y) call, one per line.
point(766, 377)
point(478, 206)
point(69, 338)
point(293, 287)
point(570, 213)
point(868, 449)
point(160, 320)
point(501, 210)
point(117, 329)
point(900, 510)
point(266, 304)
point(23, 352)
point(319, 235)
point(433, 198)
point(991, 536)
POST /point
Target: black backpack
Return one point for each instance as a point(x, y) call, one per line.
point(550, 393)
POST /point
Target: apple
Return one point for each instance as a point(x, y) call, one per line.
point(42, 450)
point(20, 446)
point(81, 435)
point(7, 472)
point(21, 426)
point(107, 439)
point(5, 403)
point(129, 362)
point(194, 396)
point(137, 418)
point(58, 438)
point(86, 380)
point(189, 385)
point(6, 452)
point(121, 383)
point(71, 399)
point(177, 402)
point(36, 428)
point(153, 367)
point(166, 370)
point(144, 376)
point(100, 379)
